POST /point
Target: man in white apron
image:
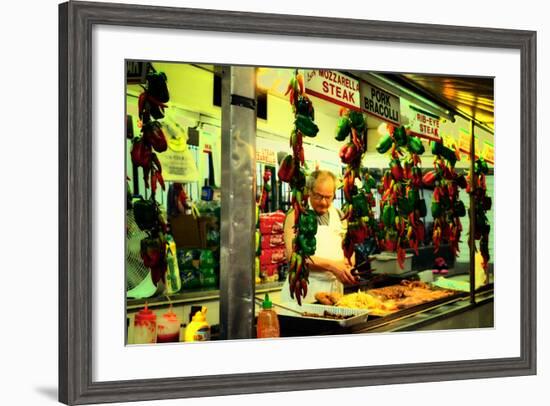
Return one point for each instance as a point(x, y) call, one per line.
point(328, 268)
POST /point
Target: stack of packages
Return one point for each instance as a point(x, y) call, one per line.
point(197, 269)
point(272, 257)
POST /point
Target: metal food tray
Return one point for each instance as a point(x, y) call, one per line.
point(357, 315)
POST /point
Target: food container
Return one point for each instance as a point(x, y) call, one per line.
point(386, 263)
point(426, 276)
point(294, 324)
point(145, 327)
point(168, 327)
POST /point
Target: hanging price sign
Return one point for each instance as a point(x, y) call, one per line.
point(464, 143)
point(266, 156)
point(488, 151)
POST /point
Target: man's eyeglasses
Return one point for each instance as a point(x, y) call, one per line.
point(318, 197)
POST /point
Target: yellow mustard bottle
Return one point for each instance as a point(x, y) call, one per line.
point(198, 329)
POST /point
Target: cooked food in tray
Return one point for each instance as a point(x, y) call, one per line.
point(420, 291)
point(359, 300)
point(329, 299)
point(382, 301)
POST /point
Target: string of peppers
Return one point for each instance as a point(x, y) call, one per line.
point(446, 207)
point(151, 105)
point(401, 207)
point(292, 171)
point(358, 202)
point(483, 203)
point(412, 174)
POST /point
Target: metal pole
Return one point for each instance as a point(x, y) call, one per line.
point(472, 216)
point(238, 203)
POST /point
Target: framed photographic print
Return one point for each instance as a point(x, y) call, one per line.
point(237, 187)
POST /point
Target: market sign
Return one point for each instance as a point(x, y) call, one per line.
point(380, 103)
point(178, 164)
point(464, 143)
point(266, 156)
point(425, 124)
point(333, 86)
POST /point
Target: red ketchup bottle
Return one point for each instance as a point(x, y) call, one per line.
point(145, 327)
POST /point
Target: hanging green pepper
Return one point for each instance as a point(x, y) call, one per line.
point(306, 125)
point(305, 107)
point(258, 243)
point(146, 214)
point(370, 183)
point(481, 166)
point(384, 144)
point(439, 149)
point(403, 207)
point(487, 203)
point(400, 136)
point(415, 145)
point(459, 209)
point(421, 207)
point(388, 215)
point(360, 207)
point(308, 223)
point(306, 245)
point(357, 119)
point(436, 209)
point(413, 197)
point(343, 129)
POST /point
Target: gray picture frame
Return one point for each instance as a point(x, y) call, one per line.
point(76, 20)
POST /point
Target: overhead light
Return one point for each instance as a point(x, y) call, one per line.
point(383, 128)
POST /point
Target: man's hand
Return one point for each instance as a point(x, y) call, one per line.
point(342, 271)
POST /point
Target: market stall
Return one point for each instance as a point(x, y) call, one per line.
point(415, 170)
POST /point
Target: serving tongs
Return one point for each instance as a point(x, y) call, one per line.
point(260, 300)
point(356, 272)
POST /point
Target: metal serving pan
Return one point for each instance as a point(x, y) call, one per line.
point(316, 313)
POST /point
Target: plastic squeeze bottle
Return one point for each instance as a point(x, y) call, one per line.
point(268, 322)
point(198, 329)
point(145, 327)
point(168, 327)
